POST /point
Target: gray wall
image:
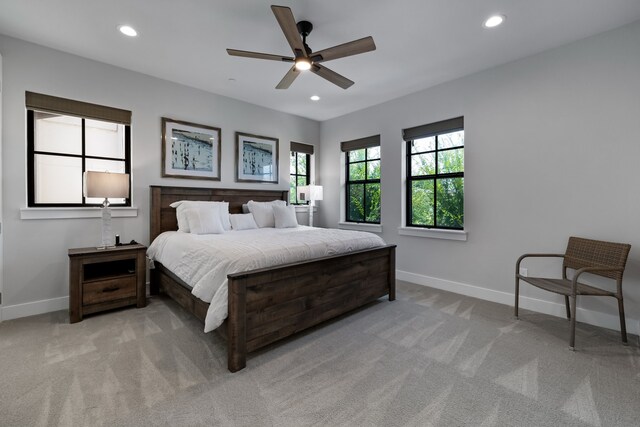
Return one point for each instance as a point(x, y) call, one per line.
point(552, 150)
point(36, 264)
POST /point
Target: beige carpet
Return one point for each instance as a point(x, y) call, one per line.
point(430, 358)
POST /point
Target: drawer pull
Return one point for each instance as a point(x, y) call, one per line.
point(111, 289)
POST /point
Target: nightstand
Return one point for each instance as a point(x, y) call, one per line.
point(102, 279)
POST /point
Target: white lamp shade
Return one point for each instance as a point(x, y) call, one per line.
point(106, 184)
point(310, 193)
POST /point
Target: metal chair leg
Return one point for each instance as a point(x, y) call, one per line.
point(566, 303)
point(623, 326)
point(572, 338)
point(517, 293)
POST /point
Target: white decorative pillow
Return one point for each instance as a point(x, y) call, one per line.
point(204, 219)
point(183, 223)
point(285, 216)
point(263, 212)
point(242, 222)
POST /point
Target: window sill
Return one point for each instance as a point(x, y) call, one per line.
point(459, 235)
point(73, 213)
point(360, 226)
point(304, 208)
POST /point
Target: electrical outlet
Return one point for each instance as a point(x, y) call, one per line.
point(523, 271)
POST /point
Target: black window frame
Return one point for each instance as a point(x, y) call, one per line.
point(433, 130)
point(365, 182)
point(32, 152)
point(307, 175)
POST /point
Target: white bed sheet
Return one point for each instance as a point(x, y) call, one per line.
point(204, 261)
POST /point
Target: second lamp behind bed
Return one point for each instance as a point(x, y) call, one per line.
point(310, 193)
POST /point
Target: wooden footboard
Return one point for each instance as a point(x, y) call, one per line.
point(269, 304)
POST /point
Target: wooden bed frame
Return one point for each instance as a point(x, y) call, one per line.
point(269, 304)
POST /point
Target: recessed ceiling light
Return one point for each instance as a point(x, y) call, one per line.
point(315, 98)
point(127, 30)
point(494, 21)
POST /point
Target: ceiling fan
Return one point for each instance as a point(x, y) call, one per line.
point(304, 58)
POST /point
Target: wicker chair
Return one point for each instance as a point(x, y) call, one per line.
point(583, 256)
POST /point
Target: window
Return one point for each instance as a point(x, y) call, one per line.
point(65, 138)
point(362, 172)
point(435, 175)
point(299, 169)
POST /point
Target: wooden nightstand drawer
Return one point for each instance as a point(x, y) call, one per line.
point(108, 290)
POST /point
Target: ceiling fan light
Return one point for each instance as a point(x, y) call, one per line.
point(303, 64)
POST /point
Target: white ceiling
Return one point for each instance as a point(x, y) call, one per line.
point(420, 43)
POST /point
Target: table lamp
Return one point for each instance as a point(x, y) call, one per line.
point(310, 193)
point(106, 184)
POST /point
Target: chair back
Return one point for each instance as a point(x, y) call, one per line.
point(595, 253)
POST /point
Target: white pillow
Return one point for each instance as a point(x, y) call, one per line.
point(263, 212)
point(242, 221)
point(183, 223)
point(285, 216)
point(204, 219)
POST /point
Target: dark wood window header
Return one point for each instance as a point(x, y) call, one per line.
point(53, 104)
point(299, 147)
point(425, 131)
point(357, 144)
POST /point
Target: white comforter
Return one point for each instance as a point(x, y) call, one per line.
point(204, 261)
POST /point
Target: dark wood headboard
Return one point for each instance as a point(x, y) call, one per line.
point(163, 216)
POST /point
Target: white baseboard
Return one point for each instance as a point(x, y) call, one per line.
point(32, 308)
point(610, 321)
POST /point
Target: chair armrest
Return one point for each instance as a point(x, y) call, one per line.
point(535, 256)
point(574, 282)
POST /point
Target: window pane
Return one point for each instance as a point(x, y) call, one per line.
point(453, 139)
point(373, 153)
point(302, 180)
point(450, 206)
point(356, 202)
point(58, 179)
point(100, 165)
point(451, 161)
point(423, 144)
point(372, 207)
point(292, 163)
point(104, 139)
point(292, 190)
point(423, 164)
point(356, 172)
point(57, 134)
point(356, 155)
point(422, 202)
point(373, 169)
point(302, 164)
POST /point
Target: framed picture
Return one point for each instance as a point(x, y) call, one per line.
point(190, 150)
point(256, 158)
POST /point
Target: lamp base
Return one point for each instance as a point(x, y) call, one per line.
point(107, 236)
point(100, 248)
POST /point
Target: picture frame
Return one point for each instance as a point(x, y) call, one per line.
point(257, 158)
point(190, 150)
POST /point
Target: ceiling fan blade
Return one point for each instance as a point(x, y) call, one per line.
point(347, 49)
point(258, 55)
point(287, 22)
point(332, 76)
point(288, 78)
